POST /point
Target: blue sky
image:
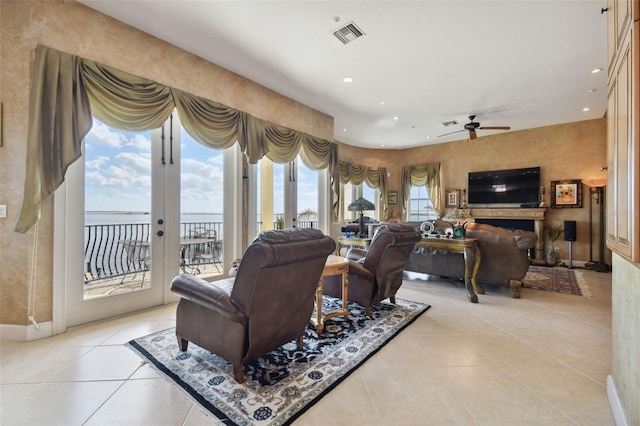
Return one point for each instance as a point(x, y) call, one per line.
point(118, 174)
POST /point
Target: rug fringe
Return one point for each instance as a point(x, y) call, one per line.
point(582, 283)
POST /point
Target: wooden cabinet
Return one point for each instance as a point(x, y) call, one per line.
point(623, 136)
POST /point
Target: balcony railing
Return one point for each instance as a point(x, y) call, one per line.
point(107, 251)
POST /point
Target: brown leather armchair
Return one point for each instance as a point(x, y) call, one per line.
point(376, 274)
point(267, 304)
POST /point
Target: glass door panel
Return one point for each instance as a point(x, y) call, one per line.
point(117, 207)
point(307, 200)
point(201, 209)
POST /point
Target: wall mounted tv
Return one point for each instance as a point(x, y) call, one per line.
point(513, 186)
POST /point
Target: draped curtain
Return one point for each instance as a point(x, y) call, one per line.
point(375, 178)
point(67, 90)
point(422, 175)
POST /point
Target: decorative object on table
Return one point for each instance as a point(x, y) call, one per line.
point(463, 203)
point(392, 198)
point(361, 205)
point(233, 270)
point(596, 192)
point(559, 280)
point(541, 197)
point(458, 217)
point(566, 193)
point(284, 383)
point(452, 197)
point(553, 233)
point(427, 228)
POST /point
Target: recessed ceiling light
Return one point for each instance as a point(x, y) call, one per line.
point(592, 90)
point(585, 109)
point(396, 118)
point(381, 102)
point(344, 130)
point(596, 70)
point(347, 79)
point(428, 137)
point(381, 145)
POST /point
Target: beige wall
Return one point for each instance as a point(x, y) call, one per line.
point(566, 151)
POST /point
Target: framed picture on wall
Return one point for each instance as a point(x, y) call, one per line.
point(392, 198)
point(452, 197)
point(566, 193)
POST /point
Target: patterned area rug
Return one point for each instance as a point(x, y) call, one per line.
point(283, 384)
point(560, 280)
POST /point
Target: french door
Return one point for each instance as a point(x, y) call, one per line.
point(117, 225)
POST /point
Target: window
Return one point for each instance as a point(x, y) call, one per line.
point(420, 205)
point(351, 192)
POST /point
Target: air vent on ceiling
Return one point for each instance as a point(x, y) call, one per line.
point(449, 123)
point(348, 33)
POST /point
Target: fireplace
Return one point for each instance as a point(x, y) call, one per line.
point(528, 219)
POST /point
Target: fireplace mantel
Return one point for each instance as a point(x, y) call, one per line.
point(534, 214)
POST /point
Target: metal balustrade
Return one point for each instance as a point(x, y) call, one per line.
point(106, 254)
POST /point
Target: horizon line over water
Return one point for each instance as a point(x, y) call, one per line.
point(107, 217)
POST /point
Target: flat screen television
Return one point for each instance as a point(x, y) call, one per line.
point(513, 186)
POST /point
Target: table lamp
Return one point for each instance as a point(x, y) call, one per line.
point(360, 205)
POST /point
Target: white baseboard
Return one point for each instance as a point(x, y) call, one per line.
point(25, 333)
point(614, 402)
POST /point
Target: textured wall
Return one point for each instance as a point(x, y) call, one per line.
point(625, 324)
point(567, 151)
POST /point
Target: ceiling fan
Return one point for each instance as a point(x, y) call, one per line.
point(471, 126)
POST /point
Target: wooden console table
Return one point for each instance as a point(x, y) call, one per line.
point(362, 243)
point(469, 249)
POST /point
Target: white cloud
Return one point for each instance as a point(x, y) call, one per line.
point(96, 163)
point(141, 142)
point(103, 135)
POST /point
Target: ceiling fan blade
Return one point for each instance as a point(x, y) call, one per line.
point(457, 131)
point(495, 128)
point(472, 134)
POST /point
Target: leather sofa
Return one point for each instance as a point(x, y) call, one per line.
point(504, 258)
point(267, 304)
point(376, 274)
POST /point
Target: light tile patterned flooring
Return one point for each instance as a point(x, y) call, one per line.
point(540, 360)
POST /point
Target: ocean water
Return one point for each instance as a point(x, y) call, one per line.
point(111, 218)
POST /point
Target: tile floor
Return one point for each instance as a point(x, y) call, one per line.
point(540, 360)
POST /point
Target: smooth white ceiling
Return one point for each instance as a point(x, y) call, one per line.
point(523, 64)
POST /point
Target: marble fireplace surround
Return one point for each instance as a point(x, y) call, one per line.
point(516, 213)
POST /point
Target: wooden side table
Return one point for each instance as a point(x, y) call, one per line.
point(335, 265)
point(469, 249)
point(362, 243)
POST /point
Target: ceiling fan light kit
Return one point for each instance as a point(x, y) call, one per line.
point(471, 127)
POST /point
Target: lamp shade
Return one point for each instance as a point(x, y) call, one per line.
point(360, 205)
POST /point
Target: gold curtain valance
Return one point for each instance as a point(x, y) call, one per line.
point(67, 90)
point(422, 175)
point(374, 177)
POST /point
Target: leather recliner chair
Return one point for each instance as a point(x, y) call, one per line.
point(267, 304)
point(504, 258)
point(376, 274)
